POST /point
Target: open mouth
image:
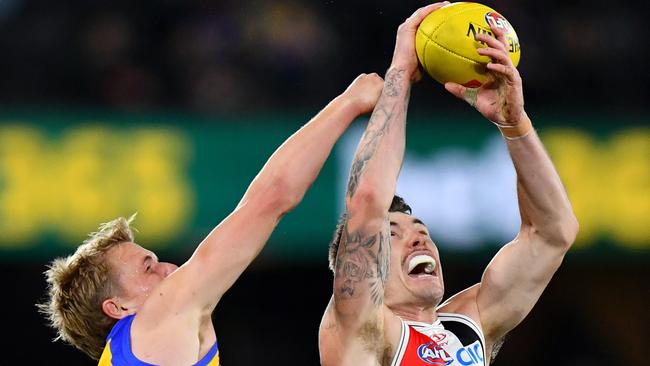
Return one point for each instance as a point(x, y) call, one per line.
point(422, 265)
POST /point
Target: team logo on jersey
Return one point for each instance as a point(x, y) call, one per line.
point(440, 339)
point(470, 355)
point(433, 354)
point(495, 19)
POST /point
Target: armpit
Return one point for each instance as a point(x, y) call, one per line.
point(496, 347)
point(372, 338)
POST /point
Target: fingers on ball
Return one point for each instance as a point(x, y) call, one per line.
point(491, 41)
point(503, 70)
point(499, 33)
point(418, 16)
point(497, 55)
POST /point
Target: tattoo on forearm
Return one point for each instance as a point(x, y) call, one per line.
point(362, 257)
point(378, 126)
point(393, 79)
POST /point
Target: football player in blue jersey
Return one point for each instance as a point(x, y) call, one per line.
point(158, 313)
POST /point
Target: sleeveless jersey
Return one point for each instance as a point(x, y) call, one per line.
point(118, 348)
point(453, 340)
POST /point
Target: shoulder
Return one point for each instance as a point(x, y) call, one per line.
point(463, 303)
point(171, 301)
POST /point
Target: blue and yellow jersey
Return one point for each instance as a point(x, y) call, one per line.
point(118, 348)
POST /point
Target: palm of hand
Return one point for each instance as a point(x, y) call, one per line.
point(500, 103)
point(404, 55)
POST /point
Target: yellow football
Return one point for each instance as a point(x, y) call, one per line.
point(446, 46)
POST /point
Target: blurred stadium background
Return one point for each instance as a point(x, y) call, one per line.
point(169, 108)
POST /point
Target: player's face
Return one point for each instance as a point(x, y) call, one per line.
point(137, 271)
point(415, 275)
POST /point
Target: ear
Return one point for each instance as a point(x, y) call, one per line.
point(112, 308)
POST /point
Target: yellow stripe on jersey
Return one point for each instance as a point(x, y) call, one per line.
point(215, 360)
point(107, 356)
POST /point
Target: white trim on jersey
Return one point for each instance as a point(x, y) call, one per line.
point(465, 320)
point(403, 342)
point(437, 323)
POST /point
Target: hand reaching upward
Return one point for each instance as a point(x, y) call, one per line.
point(404, 56)
point(365, 91)
point(501, 98)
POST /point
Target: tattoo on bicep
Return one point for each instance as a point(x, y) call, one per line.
point(362, 258)
point(378, 126)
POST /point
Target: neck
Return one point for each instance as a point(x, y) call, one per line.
point(416, 313)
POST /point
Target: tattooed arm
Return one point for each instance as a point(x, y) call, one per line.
point(364, 249)
point(363, 252)
point(362, 259)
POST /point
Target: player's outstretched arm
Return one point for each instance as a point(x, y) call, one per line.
point(224, 254)
point(363, 254)
point(516, 277)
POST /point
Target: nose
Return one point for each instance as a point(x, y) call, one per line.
point(167, 268)
point(417, 241)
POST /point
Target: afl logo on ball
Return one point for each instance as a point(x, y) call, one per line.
point(495, 19)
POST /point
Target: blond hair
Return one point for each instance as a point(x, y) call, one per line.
point(79, 283)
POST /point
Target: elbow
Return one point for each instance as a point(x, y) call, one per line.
point(369, 200)
point(568, 231)
point(281, 197)
point(561, 233)
point(272, 197)
point(571, 230)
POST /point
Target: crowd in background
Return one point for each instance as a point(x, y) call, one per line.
point(234, 56)
point(214, 57)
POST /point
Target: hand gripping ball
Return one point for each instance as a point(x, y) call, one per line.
point(446, 47)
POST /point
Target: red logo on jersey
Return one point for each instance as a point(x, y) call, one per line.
point(440, 339)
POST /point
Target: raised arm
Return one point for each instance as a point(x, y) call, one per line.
point(518, 274)
point(364, 249)
point(280, 185)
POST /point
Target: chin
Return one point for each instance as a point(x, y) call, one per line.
point(429, 296)
point(430, 299)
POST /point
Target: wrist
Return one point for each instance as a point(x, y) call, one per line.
point(347, 103)
point(519, 129)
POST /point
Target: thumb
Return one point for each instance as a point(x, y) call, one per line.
point(417, 75)
point(455, 89)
